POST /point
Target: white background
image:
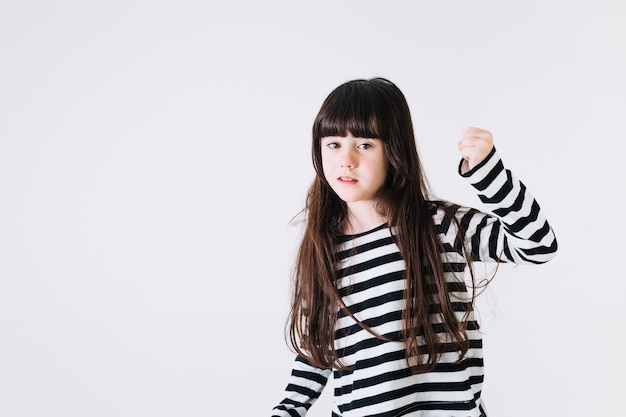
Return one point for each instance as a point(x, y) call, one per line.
point(152, 154)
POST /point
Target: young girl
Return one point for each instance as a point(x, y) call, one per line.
point(380, 297)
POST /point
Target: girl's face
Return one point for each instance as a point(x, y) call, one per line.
point(355, 168)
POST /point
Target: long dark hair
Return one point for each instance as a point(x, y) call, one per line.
point(374, 108)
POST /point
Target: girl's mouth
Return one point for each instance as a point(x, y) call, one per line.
point(349, 180)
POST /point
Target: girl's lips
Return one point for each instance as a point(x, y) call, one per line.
point(348, 180)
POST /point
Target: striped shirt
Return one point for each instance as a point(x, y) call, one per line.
point(371, 284)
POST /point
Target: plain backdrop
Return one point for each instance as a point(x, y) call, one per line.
point(153, 153)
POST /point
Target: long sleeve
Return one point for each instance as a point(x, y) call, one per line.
point(511, 229)
point(304, 388)
point(518, 230)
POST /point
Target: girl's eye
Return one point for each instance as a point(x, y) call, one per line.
point(365, 146)
point(333, 145)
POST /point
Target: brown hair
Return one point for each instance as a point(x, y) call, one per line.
point(374, 108)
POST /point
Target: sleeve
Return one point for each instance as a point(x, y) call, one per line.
point(516, 230)
point(305, 386)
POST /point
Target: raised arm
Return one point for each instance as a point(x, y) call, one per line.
point(517, 231)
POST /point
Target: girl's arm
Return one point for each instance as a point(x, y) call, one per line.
point(518, 230)
point(304, 388)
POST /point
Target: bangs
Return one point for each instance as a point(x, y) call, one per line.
point(351, 109)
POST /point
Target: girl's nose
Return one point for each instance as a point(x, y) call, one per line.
point(347, 159)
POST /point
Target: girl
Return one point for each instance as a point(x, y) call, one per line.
point(380, 297)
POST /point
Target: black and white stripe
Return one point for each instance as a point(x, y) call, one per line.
point(371, 283)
